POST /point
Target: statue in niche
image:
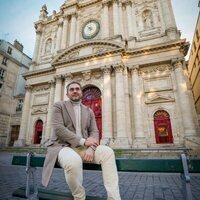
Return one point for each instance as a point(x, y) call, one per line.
point(48, 46)
point(43, 12)
point(147, 19)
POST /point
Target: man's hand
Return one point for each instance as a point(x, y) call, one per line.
point(91, 142)
point(89, 155)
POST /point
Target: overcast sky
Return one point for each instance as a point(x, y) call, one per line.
point(17, 19)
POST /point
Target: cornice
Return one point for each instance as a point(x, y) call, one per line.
point(181, 44)
point(41, 72)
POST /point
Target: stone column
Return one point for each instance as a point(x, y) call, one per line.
point(116, 18)
point(127, 105)
point(105, 21)
point(129, 19)
point(64, 33)
point(37, 43)
point(24, 120)
point(49, 115)
point(59, 35)
point(68, 78)
point(58, 90)
point(72, 29)
point(121, 20)
point(107, 132)
point(77, 31)
point(169, 19)
point(137, 107)
point(184, 100)
point(122, 140)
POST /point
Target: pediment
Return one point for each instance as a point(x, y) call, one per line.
point(86, 50)
point(159, 99)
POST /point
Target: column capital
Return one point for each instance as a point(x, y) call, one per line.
point(38, 28)
point(28, 87)
point(58, 77)
point(118, 68)
point(66, 17)
point(106, 69)
point(60, 22)
point(177, 62)
point(51, 83)
point(73, 14)
point(68, 77)
point(134, 68)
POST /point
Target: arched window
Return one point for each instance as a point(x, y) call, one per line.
point(147, 19)
point(162, 126)
point(38, 132)
point(48, 46)
point(92, 99)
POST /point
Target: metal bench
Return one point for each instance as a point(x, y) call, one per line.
point(163, 165)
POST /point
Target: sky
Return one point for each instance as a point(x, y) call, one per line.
point(17, 19)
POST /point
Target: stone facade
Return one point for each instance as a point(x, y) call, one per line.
point(13, 63)
point(132, 52)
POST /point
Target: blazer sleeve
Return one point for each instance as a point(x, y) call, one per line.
point(92, 130)
point(62, 132)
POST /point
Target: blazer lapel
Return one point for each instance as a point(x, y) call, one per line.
point(70, 110)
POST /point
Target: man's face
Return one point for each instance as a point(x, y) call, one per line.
point(74, 92)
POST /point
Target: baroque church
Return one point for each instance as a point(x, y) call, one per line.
point(129, 57)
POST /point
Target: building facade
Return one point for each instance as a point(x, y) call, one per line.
point(129, 57)
point(13, 63)
point(194, 66)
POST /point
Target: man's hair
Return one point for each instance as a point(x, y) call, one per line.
point(73, 82)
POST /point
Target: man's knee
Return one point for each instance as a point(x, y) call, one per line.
point(73, 163)
point(105, 151)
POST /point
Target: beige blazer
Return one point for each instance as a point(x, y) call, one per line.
point(64, 133)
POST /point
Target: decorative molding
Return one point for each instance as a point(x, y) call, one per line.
point(159, 99)
point(39, 88)
point(39, 110)
point(87, 75)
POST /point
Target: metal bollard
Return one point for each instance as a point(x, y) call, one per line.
point(186, 179)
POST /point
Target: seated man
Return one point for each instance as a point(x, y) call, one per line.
point(74, 141)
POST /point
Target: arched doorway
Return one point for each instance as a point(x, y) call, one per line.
point(162, 126)
point(92, 99)
point(38, 132)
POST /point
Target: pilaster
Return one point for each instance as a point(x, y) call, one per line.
point(59, 35)
point(58, 89)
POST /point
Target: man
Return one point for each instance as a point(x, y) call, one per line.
point(74, 141)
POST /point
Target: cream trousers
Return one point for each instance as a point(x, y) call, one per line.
point(71, 161)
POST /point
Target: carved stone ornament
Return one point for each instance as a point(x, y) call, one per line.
point(41, 88)
point(39, 110)
point(153, 69)
point(101, 49)
point(87, 75)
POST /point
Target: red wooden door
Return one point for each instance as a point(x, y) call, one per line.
point(162, 126)
point(92, 99)
point(38, 132)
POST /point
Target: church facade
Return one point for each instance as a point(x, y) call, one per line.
point(129, 57)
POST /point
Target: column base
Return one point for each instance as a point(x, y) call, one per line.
point(139, 143)
point(121, 142)
point(19, 143)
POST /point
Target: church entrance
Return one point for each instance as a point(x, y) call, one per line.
point(162, 125)
point(92, 99)
point(38, 132)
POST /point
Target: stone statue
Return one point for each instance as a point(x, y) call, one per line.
point(43, 12)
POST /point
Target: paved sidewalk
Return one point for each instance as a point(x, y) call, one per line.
point(133, 186)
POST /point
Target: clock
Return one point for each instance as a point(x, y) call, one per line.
point(90, 29)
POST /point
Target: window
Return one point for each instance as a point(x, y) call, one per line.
point(9, 50)
point(19, 105)
point(2, 73)
point(4, 61)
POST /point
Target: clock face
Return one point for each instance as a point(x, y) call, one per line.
point(91, 29)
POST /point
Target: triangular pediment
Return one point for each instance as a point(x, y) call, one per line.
point(159, 99)
point(86, 50)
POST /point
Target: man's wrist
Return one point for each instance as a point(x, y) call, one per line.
point(93, 148)
point(82, 141)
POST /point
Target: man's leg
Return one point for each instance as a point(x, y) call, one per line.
point(104, 155)
point(71, 162)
